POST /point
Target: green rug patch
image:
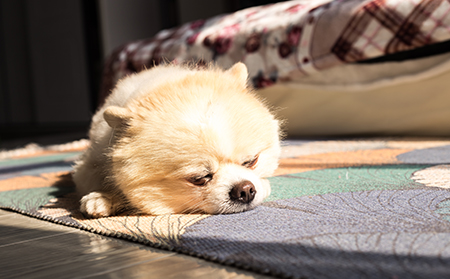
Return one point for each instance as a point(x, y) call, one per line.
point(444, 209)
point(31, 199)
point(339, 180)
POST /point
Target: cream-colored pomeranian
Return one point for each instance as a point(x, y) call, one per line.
point(174, 139)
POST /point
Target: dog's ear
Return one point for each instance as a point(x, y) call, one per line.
point(116, 116)
point(239, 70)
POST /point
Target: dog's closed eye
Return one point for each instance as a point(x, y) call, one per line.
point(251, 163)
point(200, 180)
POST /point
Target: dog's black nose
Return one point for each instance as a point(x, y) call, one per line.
point(243, 192)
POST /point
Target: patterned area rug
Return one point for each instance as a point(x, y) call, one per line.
point(372, 208)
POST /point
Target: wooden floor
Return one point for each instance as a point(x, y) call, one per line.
point(31, 248)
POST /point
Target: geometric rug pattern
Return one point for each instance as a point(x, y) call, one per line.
point(354, 208)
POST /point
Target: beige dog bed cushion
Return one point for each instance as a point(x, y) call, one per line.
point(327, 67)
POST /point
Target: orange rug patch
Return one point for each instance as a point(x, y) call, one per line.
point(339, 159)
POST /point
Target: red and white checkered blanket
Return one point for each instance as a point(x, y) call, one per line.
point(290, 40)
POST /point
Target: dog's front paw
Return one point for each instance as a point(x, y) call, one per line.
point(96, 204)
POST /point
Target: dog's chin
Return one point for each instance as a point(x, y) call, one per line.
point(234, 207)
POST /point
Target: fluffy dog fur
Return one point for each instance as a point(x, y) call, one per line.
point(178, 140)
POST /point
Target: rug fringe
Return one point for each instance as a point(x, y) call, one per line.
point(33, 148)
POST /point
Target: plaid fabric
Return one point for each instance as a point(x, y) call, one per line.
point(382, 27)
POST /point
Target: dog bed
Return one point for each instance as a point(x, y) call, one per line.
point(327, 67)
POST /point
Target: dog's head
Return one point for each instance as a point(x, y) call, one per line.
point(202, 144)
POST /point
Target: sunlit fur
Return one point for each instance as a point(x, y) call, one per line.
point(163, 126)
